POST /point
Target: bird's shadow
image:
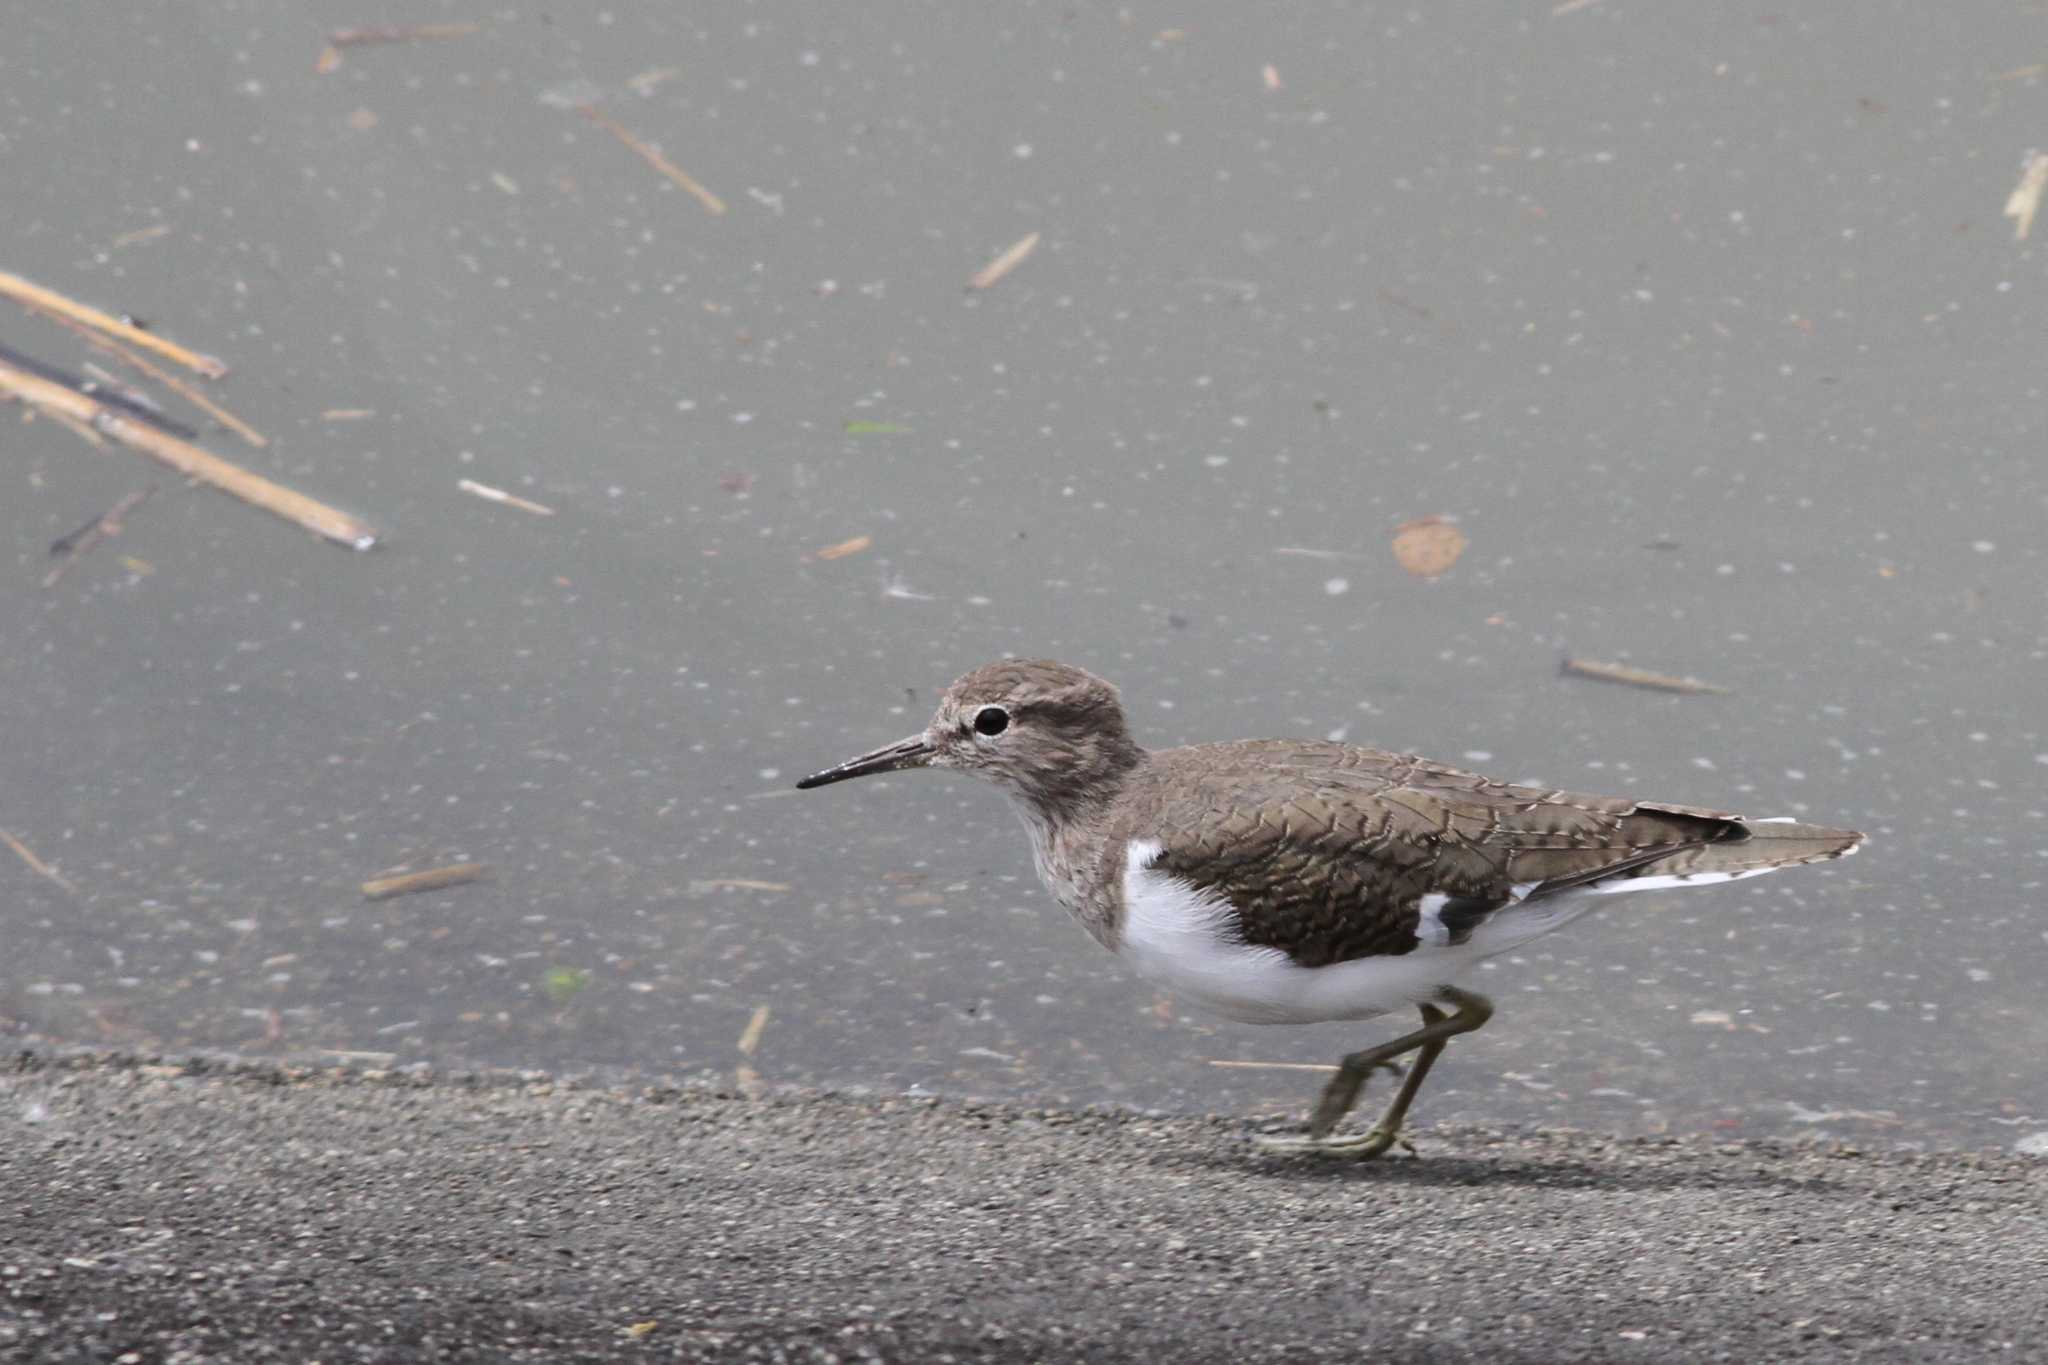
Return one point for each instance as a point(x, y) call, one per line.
point(1610, 1169)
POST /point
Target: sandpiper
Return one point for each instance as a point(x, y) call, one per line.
point(1293, 881)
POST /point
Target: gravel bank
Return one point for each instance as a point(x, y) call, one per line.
point(203, 1213)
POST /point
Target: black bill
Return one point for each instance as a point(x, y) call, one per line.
point(914, 752)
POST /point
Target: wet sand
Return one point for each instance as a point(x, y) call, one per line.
point(211, 1212)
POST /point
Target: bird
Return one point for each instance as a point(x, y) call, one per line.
point(1296, 881)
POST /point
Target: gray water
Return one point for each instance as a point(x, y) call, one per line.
point(1702, 322)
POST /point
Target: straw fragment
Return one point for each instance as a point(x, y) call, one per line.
point(1002, 265)
point(50, 301)
point(70, 406)
point(711, 202)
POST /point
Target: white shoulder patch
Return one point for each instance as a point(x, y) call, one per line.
point(1431, 928)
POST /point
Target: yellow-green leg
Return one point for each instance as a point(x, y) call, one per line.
point(1468, 1011)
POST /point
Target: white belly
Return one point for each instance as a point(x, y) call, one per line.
point(1187, 942)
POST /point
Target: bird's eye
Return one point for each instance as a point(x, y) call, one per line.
point(991, 720)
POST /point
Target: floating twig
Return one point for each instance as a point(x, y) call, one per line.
point(76, 427)
point(168, 380)
point(1405, 304)
point(1005, 263)
point(845, 548)
point(407, 33)
point(1274, 1066)
point(330, 56)
point(76, 544)
point(1641, 677)
point(646, 81)
point(112, 394)
point(48, 300)
point(711, 202)
point(2025, 199)
point(735, 884)
point(490, 494)
point(36, 865)
point(1305, 552)
point(188, 459)
point(432, 879)
point(139, 235)
point(750, 1037)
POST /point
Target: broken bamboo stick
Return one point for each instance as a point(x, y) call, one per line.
point(90, 413)
point(50, 301)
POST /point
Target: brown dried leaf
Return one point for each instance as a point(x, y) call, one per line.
point(1428, 546)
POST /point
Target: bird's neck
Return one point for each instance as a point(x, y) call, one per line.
point(1071, 827)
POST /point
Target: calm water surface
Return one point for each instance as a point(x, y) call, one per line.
point(1702, 323)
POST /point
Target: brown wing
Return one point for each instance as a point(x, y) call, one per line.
point(1326, 850)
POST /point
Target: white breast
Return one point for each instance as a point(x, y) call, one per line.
point(1185, 940)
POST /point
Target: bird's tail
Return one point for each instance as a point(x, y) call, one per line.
point(1765, 846)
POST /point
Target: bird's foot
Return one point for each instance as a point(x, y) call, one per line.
point(1342, 1093)
point(1364, 1146)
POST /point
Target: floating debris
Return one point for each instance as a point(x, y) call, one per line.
point(1641, 677)
point(36, 865)
point(330, 56)
point(1428, 546)
point(115, 395)
point(108, 523)
point(1271, 75)
point(1406, 305)
point(564, 984)
point(845, 548)
point(86, 412)
point(49, 301)
point(750, 1037)
point(490, 494)
point(139, 235)
point(1274, 1066)
point(1005, 263)
point(347, 414)
point(646, 81)
point(1305, 553)
point(706, 885)
point(109, 346)
point(676, 174)
point(432, 879)
point(855, 427)
point(2025, 199)
point(896, 588)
